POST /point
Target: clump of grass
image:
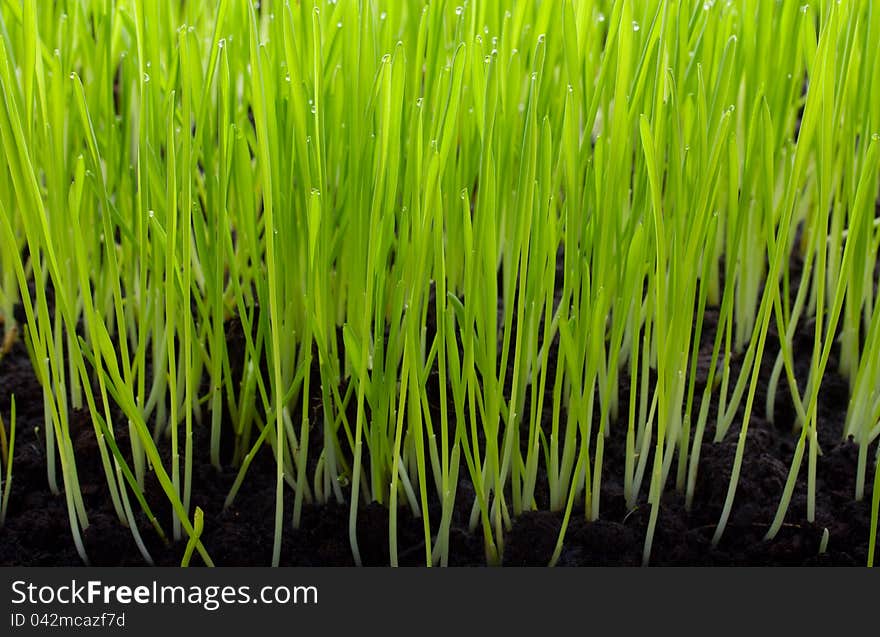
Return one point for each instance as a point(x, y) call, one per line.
point(519, 203)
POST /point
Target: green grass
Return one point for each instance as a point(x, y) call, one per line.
point(374, 169)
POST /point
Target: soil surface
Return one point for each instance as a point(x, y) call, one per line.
point(37, 530)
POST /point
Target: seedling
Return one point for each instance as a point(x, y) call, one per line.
point(448, 235)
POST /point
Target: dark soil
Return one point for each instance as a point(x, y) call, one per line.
point(37, 530)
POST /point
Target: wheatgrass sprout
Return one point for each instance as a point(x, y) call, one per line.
point(467, 250)
point(7, 449)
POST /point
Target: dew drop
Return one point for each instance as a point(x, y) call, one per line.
point(459, 10)
point(146, 77)
point(600, 17)
point(383, 15)
point(339, 24)
point(636, 26)
point(419, 101)
point(316, 192)
point(876, 137)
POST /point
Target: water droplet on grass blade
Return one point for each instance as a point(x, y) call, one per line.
point(636, 26)
point(459, 10)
